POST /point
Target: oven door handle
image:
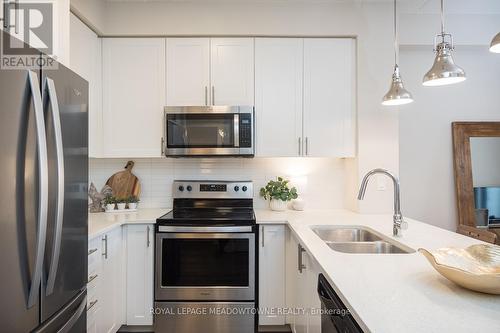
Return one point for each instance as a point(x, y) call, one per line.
point(164, 228)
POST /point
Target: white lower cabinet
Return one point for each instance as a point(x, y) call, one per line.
point(272, 274)
point(139, 274)
point(302, 272)
point(105, 283)
point(120, 282)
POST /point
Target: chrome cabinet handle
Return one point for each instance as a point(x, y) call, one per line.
point(43, 188)
point(307, 146)
point(105, 240)
point(92, 303)
point(148, 242)
point(162, 146)
point(300, 146)
point(92, 251)
point(92, 278)
point(301, 265)
point(56, 247)
point(16, 17)
point(213, 95)
point(206, 95)
point(262, 232)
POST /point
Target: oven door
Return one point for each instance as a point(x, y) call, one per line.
point(205, 266)
point(206, 131)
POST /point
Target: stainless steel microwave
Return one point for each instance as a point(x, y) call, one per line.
point(209, 131)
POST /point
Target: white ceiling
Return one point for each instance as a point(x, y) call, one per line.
point(412, 6)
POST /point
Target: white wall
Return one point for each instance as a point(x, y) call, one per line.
point(92, 12)
point(156, 176)
point(425, 128)
point(485, 156)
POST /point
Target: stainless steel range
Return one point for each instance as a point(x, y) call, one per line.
point(205, 275)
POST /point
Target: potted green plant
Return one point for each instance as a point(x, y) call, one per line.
point(109, 203)
point(121, 203)
point(132, 202)
point(278, 193)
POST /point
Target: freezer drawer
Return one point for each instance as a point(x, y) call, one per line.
point(207, 317)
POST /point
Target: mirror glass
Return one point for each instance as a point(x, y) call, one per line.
point(485, 157)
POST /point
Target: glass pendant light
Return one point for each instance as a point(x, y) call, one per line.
point(495, 44)
point(443, 71)
point(397, 94)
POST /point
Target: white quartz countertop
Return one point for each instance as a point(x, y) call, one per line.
point(394, 292)
point(100, 223)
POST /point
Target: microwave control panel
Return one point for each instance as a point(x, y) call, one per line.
point(245, 130)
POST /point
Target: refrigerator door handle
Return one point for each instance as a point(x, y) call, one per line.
point(43, 187)
point(74, 318)
point(50, 89)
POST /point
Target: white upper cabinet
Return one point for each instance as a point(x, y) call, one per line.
point(278, 96)
point(85, 58)
point(329, 97)
point(232, 71)
point(188, 71)
point(133, 96)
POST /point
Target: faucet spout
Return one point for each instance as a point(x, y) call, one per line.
point(398, 221)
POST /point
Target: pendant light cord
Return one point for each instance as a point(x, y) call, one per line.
point(395, 35)
point(442, 18)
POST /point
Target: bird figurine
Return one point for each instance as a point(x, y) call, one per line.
point(97, 197)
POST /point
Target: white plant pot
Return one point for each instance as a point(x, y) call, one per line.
point(278, 205)
point(121, 206)
point(132, 205)
point(110, 207)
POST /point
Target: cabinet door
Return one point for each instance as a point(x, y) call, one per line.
point(272, 273)
point(86, 60)
point(111, 291)
point(188, 71)
point(232, 71)
point(329, 97)
point(278, 96)
point(133, 96)
point(139, 274)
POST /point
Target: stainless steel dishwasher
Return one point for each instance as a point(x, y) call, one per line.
point(335, 316)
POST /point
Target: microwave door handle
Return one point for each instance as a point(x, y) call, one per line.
point(56, 119)
point(236, 130)
point(43, 188)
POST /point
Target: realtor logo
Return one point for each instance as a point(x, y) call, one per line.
point(30, 25)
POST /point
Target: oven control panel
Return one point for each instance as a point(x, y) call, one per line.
point(206, 189)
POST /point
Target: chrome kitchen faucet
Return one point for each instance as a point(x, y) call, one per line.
point(399, 223)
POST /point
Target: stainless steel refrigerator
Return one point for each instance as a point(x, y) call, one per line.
point(43, 200)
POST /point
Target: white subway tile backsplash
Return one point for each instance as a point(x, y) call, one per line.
point(320, 181)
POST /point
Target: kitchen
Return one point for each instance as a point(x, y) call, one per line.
point(293, 89)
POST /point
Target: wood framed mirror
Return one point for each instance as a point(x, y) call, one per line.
point(476, 146)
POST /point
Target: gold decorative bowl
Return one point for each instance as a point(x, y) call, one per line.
point(476, 267)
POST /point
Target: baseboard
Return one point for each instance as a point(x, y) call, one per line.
point(136, 329)
point(275, 329)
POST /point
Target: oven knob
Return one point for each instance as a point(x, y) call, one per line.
point(236, 188)
point(181, 188)
point(189, 188)
point(244, 188)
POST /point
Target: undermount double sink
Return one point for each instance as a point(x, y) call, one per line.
point(357, 239)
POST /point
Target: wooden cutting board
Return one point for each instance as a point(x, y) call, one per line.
point(125, 183)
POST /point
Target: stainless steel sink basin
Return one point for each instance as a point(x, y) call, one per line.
point(357, 239)
point(345, 234)
point(368, 247)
